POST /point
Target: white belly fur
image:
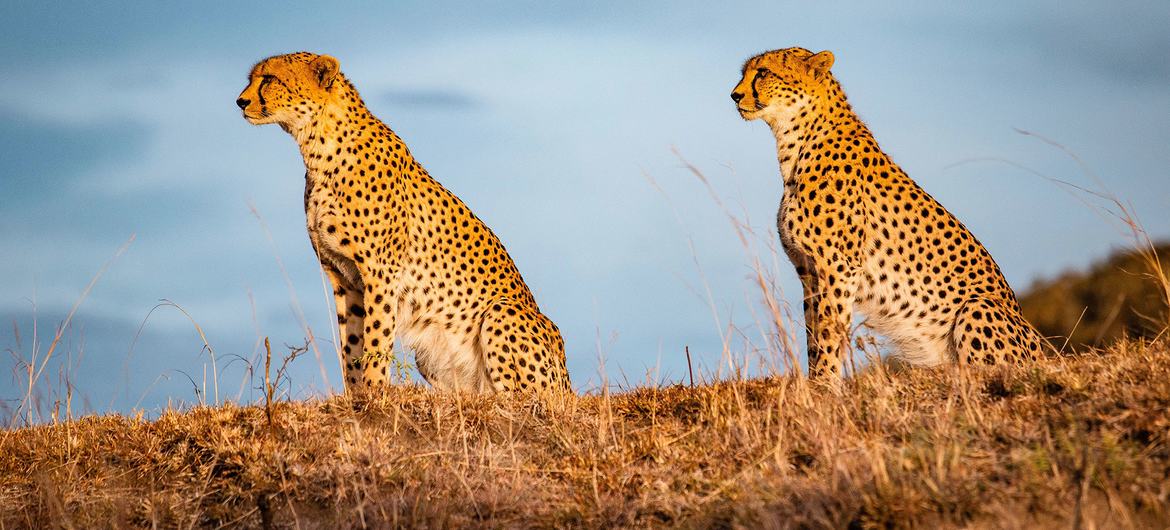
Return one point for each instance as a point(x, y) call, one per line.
point(448, 359)
point(916, 341)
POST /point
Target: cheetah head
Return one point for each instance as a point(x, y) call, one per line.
point(289, 89)
point(777, 85)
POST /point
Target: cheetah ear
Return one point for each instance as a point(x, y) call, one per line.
point(820, 63)
point(324, 68)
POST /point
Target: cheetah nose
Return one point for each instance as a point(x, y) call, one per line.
point(242, 103)
point(736, 96)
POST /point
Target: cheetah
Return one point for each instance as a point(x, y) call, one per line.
point(407, 259)
point(863, 236)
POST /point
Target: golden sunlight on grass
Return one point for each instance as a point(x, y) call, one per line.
point(1079, 440)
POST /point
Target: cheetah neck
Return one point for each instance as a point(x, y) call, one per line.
point(326, 141)
point(789, 142)
point(798, 131)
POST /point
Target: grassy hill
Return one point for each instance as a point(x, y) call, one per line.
point(1114, 299)
point(1079, 440)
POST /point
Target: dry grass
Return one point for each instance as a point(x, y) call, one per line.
point(1072, 441)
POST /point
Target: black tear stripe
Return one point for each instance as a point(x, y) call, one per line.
point(755, 93)
point(260, 91)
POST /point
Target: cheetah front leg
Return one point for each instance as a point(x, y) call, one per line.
point(349, 327)
point(808, 286)
point(828, 312)
point(380, 316)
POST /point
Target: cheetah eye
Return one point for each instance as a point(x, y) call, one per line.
point(762, 71)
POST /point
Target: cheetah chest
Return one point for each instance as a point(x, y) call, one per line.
point(788, 223)
point(886, 291)
point(436, 328)
point(322, 219)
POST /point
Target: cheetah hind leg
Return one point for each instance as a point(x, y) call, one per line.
point(989, 332)
point(522, 348)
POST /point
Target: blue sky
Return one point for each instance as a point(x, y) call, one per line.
point(556, 123)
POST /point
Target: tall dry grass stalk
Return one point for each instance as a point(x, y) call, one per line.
point(34, 366)
point(780, 342)
point(1107, 205)
point(37, 394)
point(298, 312)
point(772, 344)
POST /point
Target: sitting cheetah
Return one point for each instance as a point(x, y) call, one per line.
point(863, 235)
point(406, 257)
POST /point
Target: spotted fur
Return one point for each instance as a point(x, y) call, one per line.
point(407, 259)
point(864, 236)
